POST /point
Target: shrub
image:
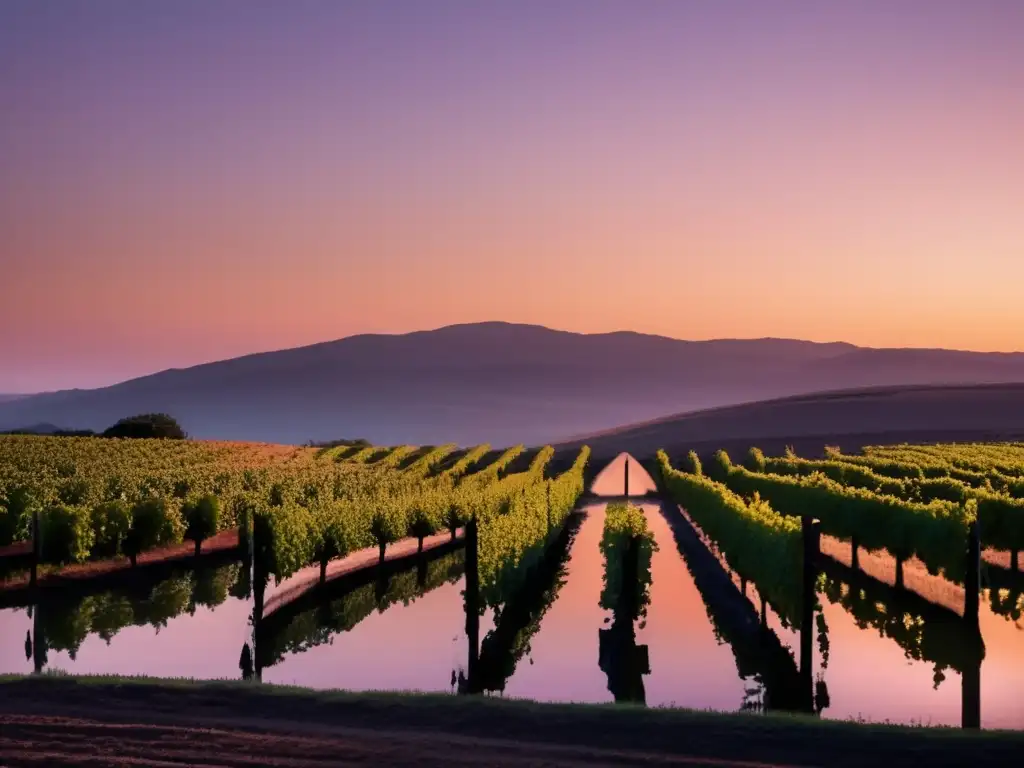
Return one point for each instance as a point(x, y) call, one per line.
point(67, 535)
point(110, 523)
point(147, 425)
point(202, 518)
point(74, 492)
point(154, 522)
point(16, 508)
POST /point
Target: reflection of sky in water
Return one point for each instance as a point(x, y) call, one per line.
point(417, 646)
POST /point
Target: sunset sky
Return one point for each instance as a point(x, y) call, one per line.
point(187, 181)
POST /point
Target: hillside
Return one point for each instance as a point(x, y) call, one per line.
point(493, 382)
point(850, 419)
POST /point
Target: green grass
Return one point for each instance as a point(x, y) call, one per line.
point(452, 705)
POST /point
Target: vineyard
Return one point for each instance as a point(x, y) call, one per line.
point(96, 499)
point(493, 529)
point(909, 502)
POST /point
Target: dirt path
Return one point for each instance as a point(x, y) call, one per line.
point(64, 722)
point(80, 742)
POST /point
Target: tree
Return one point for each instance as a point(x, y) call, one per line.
point(202, 518)
point(147, 425)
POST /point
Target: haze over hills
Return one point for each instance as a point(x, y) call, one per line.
point(849, 419)
point(495, 382)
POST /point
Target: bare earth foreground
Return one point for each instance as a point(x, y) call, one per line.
point(101, 722)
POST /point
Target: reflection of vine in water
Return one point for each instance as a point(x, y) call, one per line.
point(753, 694)
point(627, 545)
point(63, 623)
point(767, 667)
point(518, 619)
point(1008, 603)
point(319, 625)
point(824, 644)
point(626, 536)
point(945, 644)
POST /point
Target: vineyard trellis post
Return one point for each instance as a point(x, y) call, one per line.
point(472, 602)
point(854, 553)
point(811, 549)
point(970, 695)
point(37, 547)
point(626, 481)
point(260, 547)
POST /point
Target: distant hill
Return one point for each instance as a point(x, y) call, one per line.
point(9, 398)
point(36, 429)
point(493, 382)
point(850, 419)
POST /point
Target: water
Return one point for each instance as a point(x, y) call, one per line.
point(889, 657)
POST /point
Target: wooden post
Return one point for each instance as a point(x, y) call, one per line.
point(37, 547)
point(245, 540)
point(854, 554)
point(899, 572)
point(473, 605)
point(627, 478)
point(743, 585)
point(970, 696)
point(972, 582)
point(1014, 564)
point(38, 641)
point(421, 573)
point(764, 612)
point(259, 590)
point(811, 549)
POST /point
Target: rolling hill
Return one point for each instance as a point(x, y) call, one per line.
point(849, 419)
point(494, 382)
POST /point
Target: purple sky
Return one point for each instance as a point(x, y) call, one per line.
point(187, 181)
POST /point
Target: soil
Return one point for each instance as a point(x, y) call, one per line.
point(54, 577)
point(66, 722)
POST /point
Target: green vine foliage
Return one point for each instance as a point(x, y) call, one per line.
point(1000, 514)
point(625, 526)
point(943, 644)
point(64, 623)
point(760, 544)
point(936, 532)
point(517, 516)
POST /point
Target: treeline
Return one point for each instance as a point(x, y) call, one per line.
point(144, 426)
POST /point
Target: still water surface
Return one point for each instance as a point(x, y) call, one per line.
point(881, 661)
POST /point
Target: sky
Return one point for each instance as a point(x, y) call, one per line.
point(188, 181)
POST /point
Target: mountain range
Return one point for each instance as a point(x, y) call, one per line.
point(493, 382)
